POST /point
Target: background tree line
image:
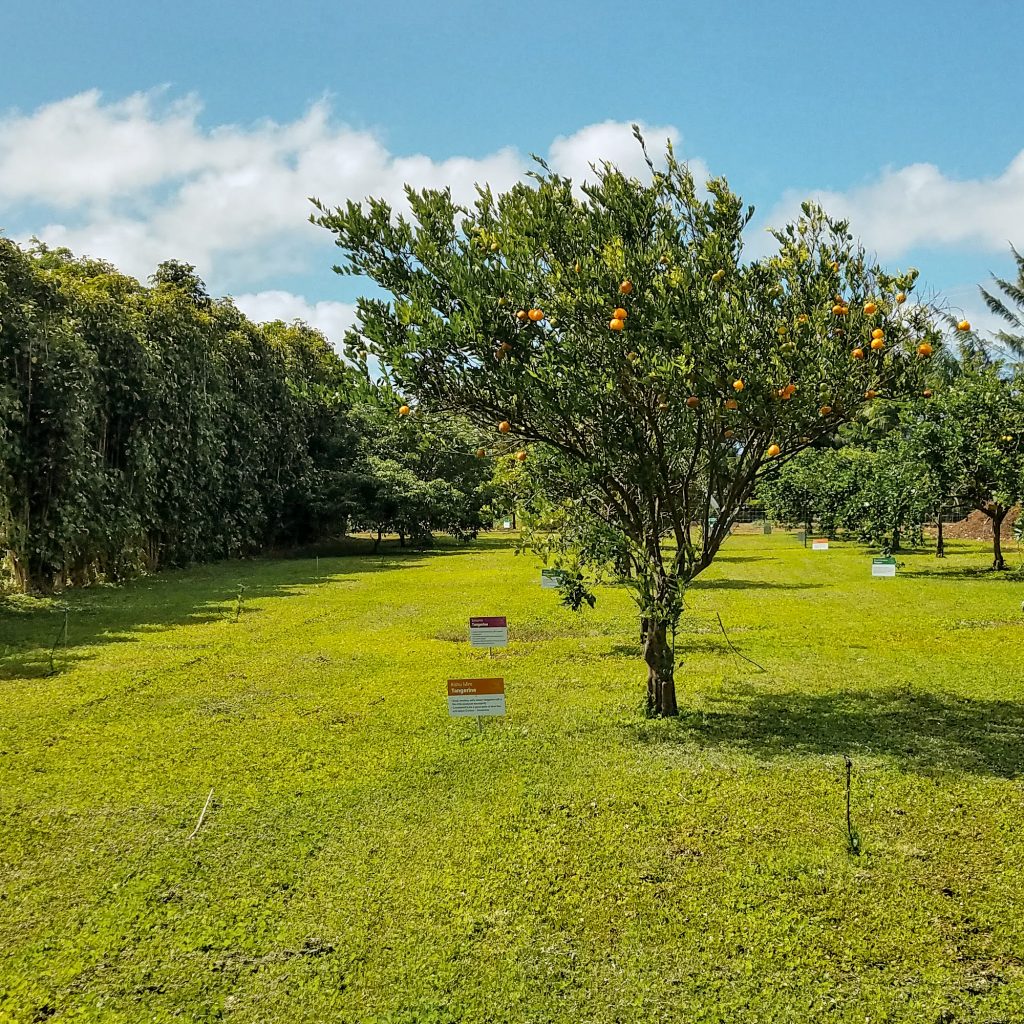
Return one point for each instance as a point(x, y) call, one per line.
point(143, 427)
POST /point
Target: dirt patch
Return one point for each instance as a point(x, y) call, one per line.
point(978, 526)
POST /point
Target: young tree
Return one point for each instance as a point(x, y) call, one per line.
point(620, 335)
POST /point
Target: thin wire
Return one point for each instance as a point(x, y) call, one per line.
point(734, 651)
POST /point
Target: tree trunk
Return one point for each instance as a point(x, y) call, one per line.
point(661, 687)
point(376, 543)
point(998, 562)
point(940, 549)
point(895, 540)
point(401, 538)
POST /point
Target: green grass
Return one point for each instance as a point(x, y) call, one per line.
point(366, 858)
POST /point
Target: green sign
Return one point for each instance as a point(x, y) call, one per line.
point(551, 578)
point(883, 566)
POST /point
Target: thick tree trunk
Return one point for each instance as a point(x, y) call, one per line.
point(661, 687)
point(376, 543)
point(998, 562)
point(401, 539)
point(940, 548)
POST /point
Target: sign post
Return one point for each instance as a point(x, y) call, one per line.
point(476, 698)
point(551, 578)
point(488, 631)
point(883, 566)
point(819, 544)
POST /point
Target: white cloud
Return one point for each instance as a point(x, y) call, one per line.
point(140, 180)
point(331, 318)
point(919, 206)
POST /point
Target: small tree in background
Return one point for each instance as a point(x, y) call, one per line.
point(620, 338)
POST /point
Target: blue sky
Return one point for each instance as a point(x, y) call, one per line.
point(139, 132)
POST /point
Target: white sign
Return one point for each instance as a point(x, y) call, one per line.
point(820, 545)
point(883, 566)
point(474, 698)
point(550, 578)
point(488, 631)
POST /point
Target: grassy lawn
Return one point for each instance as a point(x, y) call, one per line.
point(366, 858)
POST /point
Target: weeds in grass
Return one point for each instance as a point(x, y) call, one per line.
point(240, 601)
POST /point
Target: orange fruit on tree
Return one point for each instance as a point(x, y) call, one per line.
point(878, 333)
point(731, 403)
point(924, 349)
point(718, 275)
point(773, 450)
point(877, 344)
point(738, 384)
point(692, 402)
point(480, 453)
point(504, 426)
point(616, 324)
point(620, 313)
point(520, 456)
point(858, 353)
point(870, 393)
point(521, 314)
point(835, 266)
point(870, 308)
point(403, 410)
point(825, 410)
point(535, 315)
point(729, 433)
point(964, 325)
point(927, 392)
point(900, 298)
point(626, 287)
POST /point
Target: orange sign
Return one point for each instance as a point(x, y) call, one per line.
point(476, 697)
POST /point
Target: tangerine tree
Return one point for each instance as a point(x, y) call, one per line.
point(616, 334)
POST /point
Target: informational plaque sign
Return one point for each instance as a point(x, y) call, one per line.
point(475, 698)
point(551, 578)
point(821, 544)
point(883, 566)
point(488, 631)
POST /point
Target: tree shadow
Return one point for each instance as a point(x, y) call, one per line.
point(733, 584)
point(984, 572)
point(920, 731)
point(33, 644)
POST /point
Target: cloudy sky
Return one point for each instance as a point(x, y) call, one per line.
point(139, 133)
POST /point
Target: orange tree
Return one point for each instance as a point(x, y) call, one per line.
point(617, 335)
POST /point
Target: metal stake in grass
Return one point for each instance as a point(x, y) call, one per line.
point(852, 835)
point(61, 635)
point(199, 823)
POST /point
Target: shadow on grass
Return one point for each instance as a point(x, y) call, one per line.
point(731, 584)
point(920, 731)
point(969, 573)
point(31, 628)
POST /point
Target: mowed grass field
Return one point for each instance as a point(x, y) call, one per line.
point(366, 858)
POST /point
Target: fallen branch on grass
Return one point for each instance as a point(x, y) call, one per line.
point(199, 823)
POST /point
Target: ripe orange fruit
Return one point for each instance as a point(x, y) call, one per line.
point(504, 426)
point(773, 450)
point(616, 324)
point(731, 403)
point(729, 433)
point(927, 392)
point(692, 402)
point(858, 353)
point(520, 456)
point(878, 333)
point(840, 310)
point(577, 267)
point(802, 318)
point(900, 298)
point(924, 349)
point(870, 308)
point(535, 315)
point(403, 410)
point(521, 314)
point(877, 344)
point(738, 384)
point(480, 453)
point(718, 275)
point(505, 347)
point(620, 313)
point(626, 287)
point(964, 325)
point(870, 393)
point(825, 410)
